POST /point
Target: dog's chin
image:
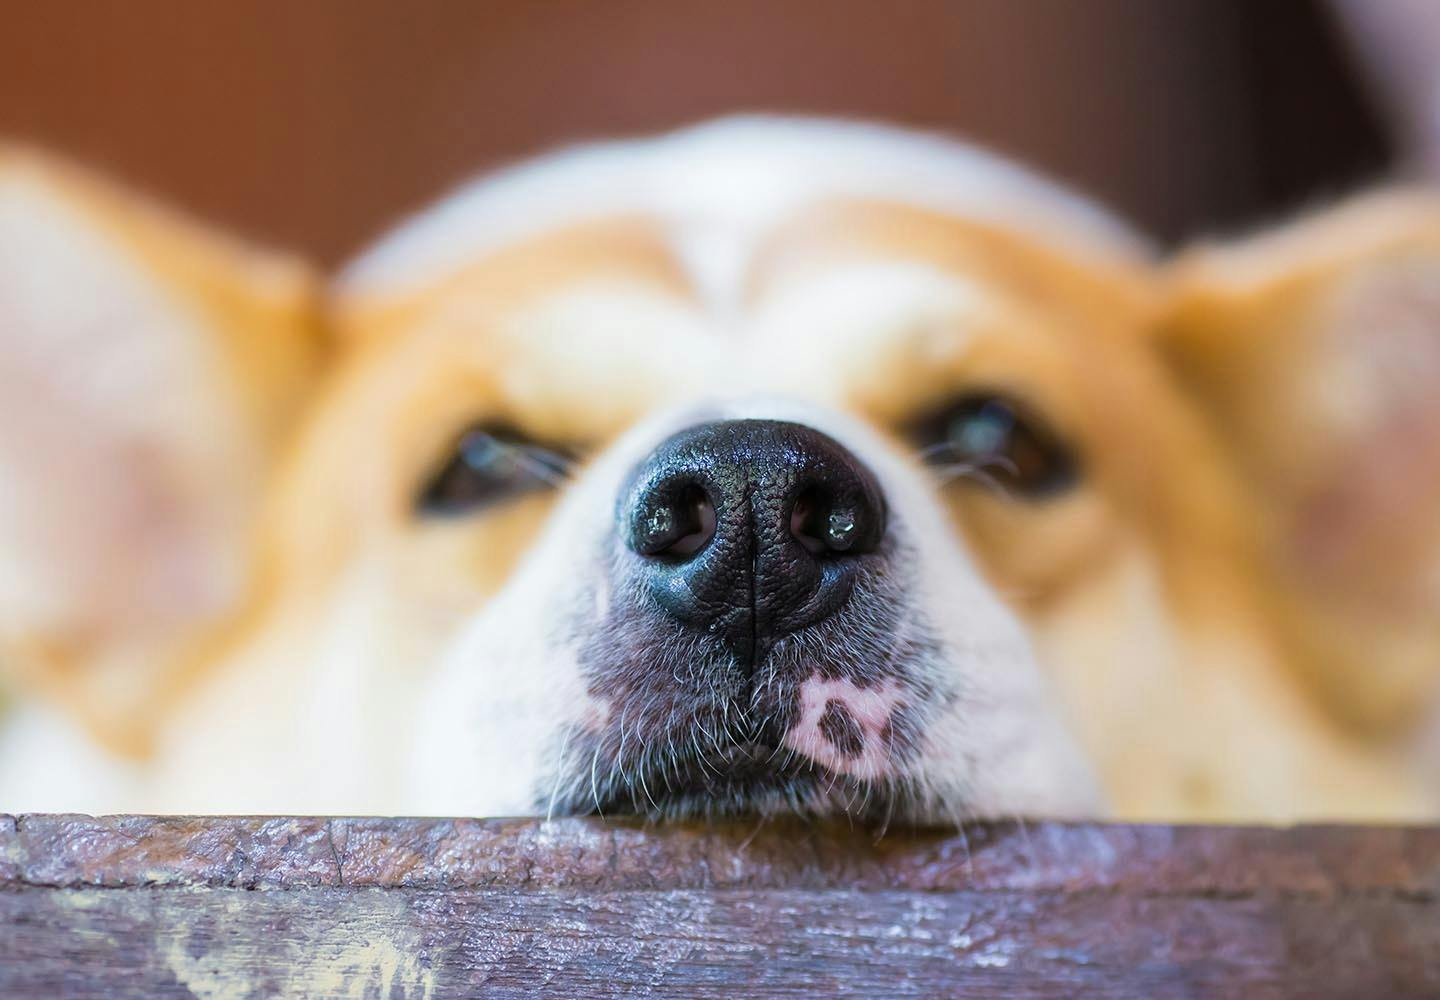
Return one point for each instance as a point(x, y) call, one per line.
point(693, 727)
point(742, 780)
point(727, 758)
point(746, 779)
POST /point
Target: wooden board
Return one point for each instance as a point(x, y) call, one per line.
point(225, 907)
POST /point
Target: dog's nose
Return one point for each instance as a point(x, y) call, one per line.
point(751, 529)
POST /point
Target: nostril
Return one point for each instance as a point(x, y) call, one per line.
point(822, 525)
point(746, 531)
point(806, 522)
point(677, 527)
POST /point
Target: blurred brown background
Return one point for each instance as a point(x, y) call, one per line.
point(315, 124)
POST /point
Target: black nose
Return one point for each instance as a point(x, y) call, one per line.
point(751, 529)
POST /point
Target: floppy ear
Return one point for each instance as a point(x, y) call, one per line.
point(1315, 350)
point(147, 370)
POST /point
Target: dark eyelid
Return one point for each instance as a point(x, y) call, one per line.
point(1053, 465)
point(488, 463)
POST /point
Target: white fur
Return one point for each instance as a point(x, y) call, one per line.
point(502, 692)
point(506, 688)
point(319, 716)
point(47, 764)
point(721, 186)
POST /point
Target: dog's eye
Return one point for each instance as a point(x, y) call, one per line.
point(990, 438)
point(488, 464)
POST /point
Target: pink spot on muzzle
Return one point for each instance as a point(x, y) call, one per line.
point(844, 727)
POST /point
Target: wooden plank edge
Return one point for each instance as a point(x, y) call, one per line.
point(72, 851)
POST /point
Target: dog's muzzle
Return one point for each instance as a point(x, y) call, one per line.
point(756, 648)
point(749, 530)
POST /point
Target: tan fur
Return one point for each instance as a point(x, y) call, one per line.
point(1161, 492)
point(1216, 658)
point(1316, 351)
point(260, 312)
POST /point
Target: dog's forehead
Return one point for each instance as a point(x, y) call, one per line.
point(719, 190)
point(851, 265)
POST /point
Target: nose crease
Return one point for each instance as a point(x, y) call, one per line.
point(763, 572)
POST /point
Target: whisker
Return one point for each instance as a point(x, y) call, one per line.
point(753, 834)
point(938, 448)
point(978, 472)
point(645, 785)
point(594, 783)
point(559, 773)
point(539, 469)
point(1024, 829)
point(965, 842)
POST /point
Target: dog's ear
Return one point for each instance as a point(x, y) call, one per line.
point(148, 369)
point(1315, 350)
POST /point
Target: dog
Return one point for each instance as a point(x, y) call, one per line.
point(769, 466)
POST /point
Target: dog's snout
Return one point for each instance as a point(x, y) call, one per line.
point(751, 529)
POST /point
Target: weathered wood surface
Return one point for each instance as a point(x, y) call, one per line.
point(137, 906)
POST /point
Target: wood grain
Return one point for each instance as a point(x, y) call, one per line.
point(222, 907)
